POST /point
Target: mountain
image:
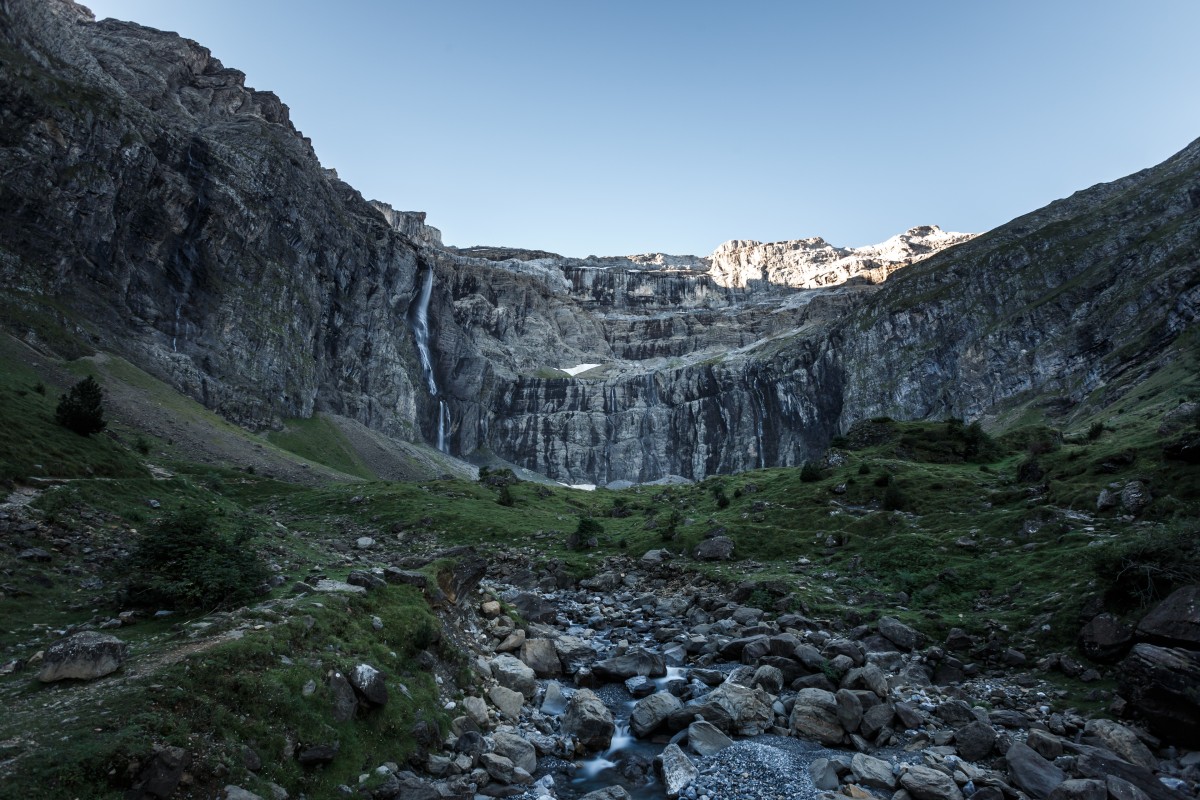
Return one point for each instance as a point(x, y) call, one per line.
point(163, 211)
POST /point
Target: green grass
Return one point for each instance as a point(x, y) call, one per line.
point(319, 440)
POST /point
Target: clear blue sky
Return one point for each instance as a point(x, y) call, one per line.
point(624, 127)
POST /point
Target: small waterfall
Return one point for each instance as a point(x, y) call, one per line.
point(760, 413)
point(421, 334)
point(175, 336)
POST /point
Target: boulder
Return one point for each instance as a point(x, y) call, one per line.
point(1175, 622)
point(1080, 789)
point(343, 699)
point(849, 709)
point(540, 656)
point(232, 792)
point(1121, 740)
point(815, 716)
point(500, 768)
point(510, 673)
point(508, 702)
point(1134, 498)
point(637, 661)
point(589, 721)
point(554, 702)
point(370, 685)
point(318, 754)
point(650, 712)
point(718, 548)
point(899, 634)
point(769, 678)
point(534, 608)
point(926, 783)
point(477, 710)
point(872, 772)
point(704, 739)
point(1031, 773)
point(574, 653)
point(1160, 685)
point(824, 774)
point(516, 750)
point(83, 656)
point(875, 719)
point(975, 741)
point(1104, 638)
point(678, 771)
point(748, 710)
point(607, 793)
point(162, 773)
point(1093, 762)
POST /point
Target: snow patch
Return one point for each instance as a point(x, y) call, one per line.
point(573, 371)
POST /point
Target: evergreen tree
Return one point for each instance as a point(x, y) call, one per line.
point(82, 408)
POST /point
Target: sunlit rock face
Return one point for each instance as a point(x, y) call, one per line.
point(156, 207)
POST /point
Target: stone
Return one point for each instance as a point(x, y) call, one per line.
point(318, 754)
point(1031, 773)
point(1121, 789)
point(677, 770)
point(574, 653)
point(705, 739)
point(1080, 789)
point(534, 608)
point(589, 721)
point(1046, 744)
point(510, 673)
point(849, 709)
point(366, 580)
point(490, 609)
point(769, 678)
point(748, 711)
point(506, 701)
point(83, 656)
point(1175, 622)
point(815, 716)
point(232, 792)
point(520, 752)
point(975, 740)
point(343, 700)
point(477, 710)
point(406, 577)
point(1120, 740)
point(408, 786)
point(718, 548)
point(370, 685)
point(512, 642)
point(162, 773)
point(1135, 496)
point(325, 586)
point(899, 634)
point(540, 656)
point(1160, 685)
point(873, 772)
point(875, 719)
point(909, 717)
point(498, 767)
point(637, 661)
point(824, 774)
point(651, 712)
point(1104, 638)
point(926, 783)
point(554, 702)
point(608, 793)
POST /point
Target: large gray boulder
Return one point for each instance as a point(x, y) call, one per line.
point(815, 716)
point(637, 661)
point(607, 793)
point(541, 657)
point(1104, 638)
point(872, 772)
point(899, 634)
point(1121, 740)
point(650, 712)
point(510, 673)
point(516, 750)
point(975, 741)
point(1175, 622)
point(589, 721)
point(718, 548)
point(927, 783)
point(1081, 789)
point(678, 771)
point(370, 685)
point(1160, 685)
point(704, 739)
point(574, 653)
point(749, 710)
point(83, 656)
point(1031, 773)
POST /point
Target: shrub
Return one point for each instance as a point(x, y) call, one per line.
point(810, 472)
point(183, 562)
point(720, 496)
point(1145, 567)
point(1095, 431)
point(506, 498)
point(894, 498)
point(864, 469)
point(81, 409)
point(977, 444)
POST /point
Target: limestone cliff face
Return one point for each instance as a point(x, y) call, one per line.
point(156, 206)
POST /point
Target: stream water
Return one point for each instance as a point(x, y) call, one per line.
point(421, 335)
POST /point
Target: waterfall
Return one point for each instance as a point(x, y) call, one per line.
point(760, 409)
point(421, 334)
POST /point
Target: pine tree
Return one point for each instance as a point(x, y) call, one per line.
point(82, 408)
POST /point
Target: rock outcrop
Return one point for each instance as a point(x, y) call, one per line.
point(147, 189)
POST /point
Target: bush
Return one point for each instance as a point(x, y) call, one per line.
point(81, 409)
point(720, 496)
point(810, 472)
point(1146, 567)
point(506, 498)
point(1095, 431)
point(894, 498)
point(183, 562)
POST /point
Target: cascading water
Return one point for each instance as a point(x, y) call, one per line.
point(421, 334)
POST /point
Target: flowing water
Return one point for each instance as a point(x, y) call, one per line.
point(421, 334)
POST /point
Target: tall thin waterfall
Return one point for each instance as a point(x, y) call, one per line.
point(421, 334)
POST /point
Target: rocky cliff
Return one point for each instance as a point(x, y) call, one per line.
point(159, 208)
